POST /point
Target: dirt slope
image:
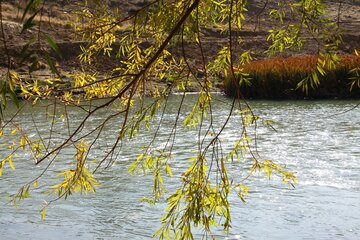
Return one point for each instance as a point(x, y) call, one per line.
point(59, 14)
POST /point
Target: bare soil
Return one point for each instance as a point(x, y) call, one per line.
point(57, 18)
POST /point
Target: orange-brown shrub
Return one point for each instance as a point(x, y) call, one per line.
point(277, 78)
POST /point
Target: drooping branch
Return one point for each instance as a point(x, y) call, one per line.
point(132, 82)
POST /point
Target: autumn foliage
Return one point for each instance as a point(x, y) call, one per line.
point(278, 78)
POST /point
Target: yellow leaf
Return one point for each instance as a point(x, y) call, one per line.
point(13, 132)
point(1, 132)
point(23, 141)
point(11, 164)
point(35, 101)
point(43, 213)
point(35, 184)
point(168, 170)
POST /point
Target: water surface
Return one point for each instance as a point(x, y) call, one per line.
point(315, 139)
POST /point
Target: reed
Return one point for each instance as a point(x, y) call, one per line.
point(278, 78)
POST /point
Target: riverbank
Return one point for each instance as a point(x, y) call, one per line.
point(280, 78)
point(59, 17)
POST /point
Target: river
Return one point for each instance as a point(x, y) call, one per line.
point(318, 140)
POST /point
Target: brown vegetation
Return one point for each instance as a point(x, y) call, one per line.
point(279, 78)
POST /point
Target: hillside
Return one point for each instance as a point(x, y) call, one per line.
point(58, 16)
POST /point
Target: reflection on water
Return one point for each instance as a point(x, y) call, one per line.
point(312, 139)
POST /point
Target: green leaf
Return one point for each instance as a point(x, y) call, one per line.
point(14, 98)
point(315, 80)
point(28, 7)
point(53, 45)
point(321, 70)
point(3, 99)
point(34, 64)
point(26, 53)
point(51, 64)
point(29, 23)
point(1, 113)
point(27, 191)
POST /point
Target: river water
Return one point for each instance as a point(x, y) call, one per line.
point(319, 140)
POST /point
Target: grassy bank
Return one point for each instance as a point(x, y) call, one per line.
point(278, 78)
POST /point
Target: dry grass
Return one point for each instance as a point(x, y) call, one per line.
point(295, 65)
point(277, 78)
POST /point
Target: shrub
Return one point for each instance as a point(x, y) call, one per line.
point(278, 78)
